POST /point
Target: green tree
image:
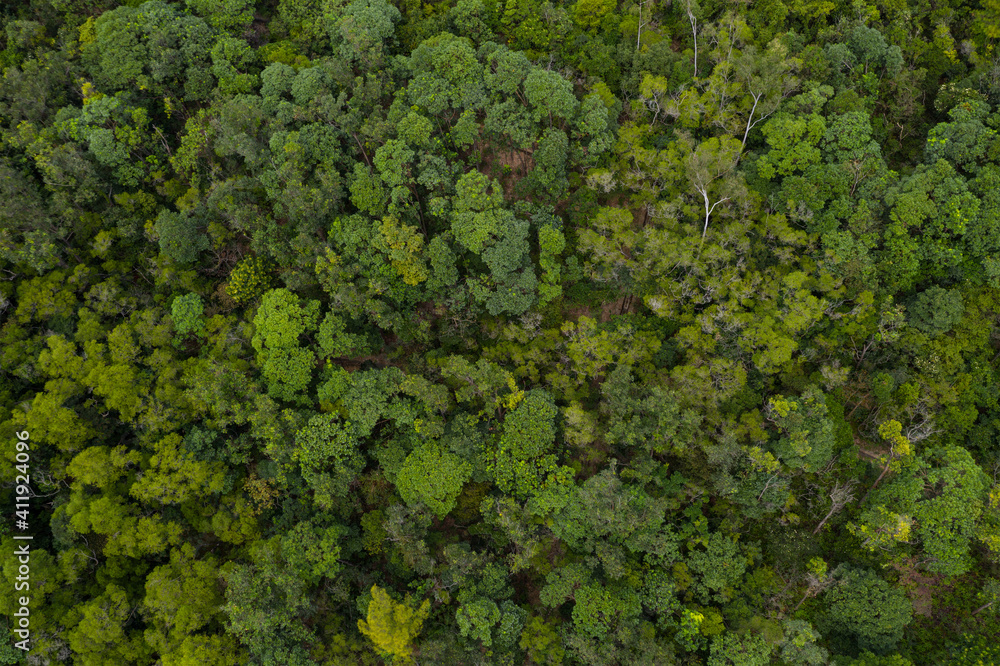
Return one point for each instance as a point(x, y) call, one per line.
point(477, 619)
point(935, 310)
point(99, 637)
point(434, 477)
point(248, 280)
point(152, 46)
point(186, 312)
point(807, 432)
point(179, 237)
point(174, 477)
point(798, 644)
point(265, 603)
point(313, 552)
point(233, 16)
point(867, 609)
point(327, 449)
point(749, 649)
point(541, 642)
point(181, 598)
point(363, 31)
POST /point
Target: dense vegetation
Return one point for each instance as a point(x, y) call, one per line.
point(503, 332)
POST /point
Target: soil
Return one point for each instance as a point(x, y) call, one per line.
point(919, 587)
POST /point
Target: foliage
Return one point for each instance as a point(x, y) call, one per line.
point(523, 332)
point(279, 323)
point(179, 238)
point(187, 311)
point(392, 626)
point(868, 609)
point(248, 280)
point(433, 477)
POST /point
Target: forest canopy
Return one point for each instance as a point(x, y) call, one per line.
point(501, 332)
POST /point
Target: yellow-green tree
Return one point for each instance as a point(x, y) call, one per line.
point(392, 626)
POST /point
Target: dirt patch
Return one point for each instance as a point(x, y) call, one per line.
point(356, 363)
point(623, 305)
point(609, 309)
point(518, 160)
point(510, 166)
point(574, 314)
point(919, 587)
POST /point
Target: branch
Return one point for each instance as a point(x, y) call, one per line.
point(756, 99)
point(839, 496)
point(708, 212)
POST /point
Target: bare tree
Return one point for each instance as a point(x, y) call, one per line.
point(840, 496)
point(768, 80)
point(691, 6)
point(710, 162)
point(638, 36)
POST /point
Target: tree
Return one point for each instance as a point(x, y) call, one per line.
point(521, 462)
point(186, 312)
point(798, 644)
point(707, 167)
point(807, 433)
point(213, 650)
point(98, 636)
point(867, 658)
point(477, 619)
point(434, 477)
point(550, 95)
point(942, 495)
point(541, 642)
point(265, 603)
point(232, 16)
point(280, 320)
point(363, 31)
point(965, 141)
point(391, 626)
point(589, 13)
point(327, 449)
point(935, 310)
point(232, 60)
point(767, 80)
point(601, 611)
point(867, 609)
point(947, 518)
point(179, 237)
point(648, 418)
point(931, 212)
point(181, 598)
point(611, 520)
point(718, 568)
point(729, 648)
point(153, 46)
point(840, 496)
point(313, 552)
point(174, 477)
point(794, 144)
point(248, 280)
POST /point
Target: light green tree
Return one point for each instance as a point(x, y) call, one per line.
point(280, 320)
